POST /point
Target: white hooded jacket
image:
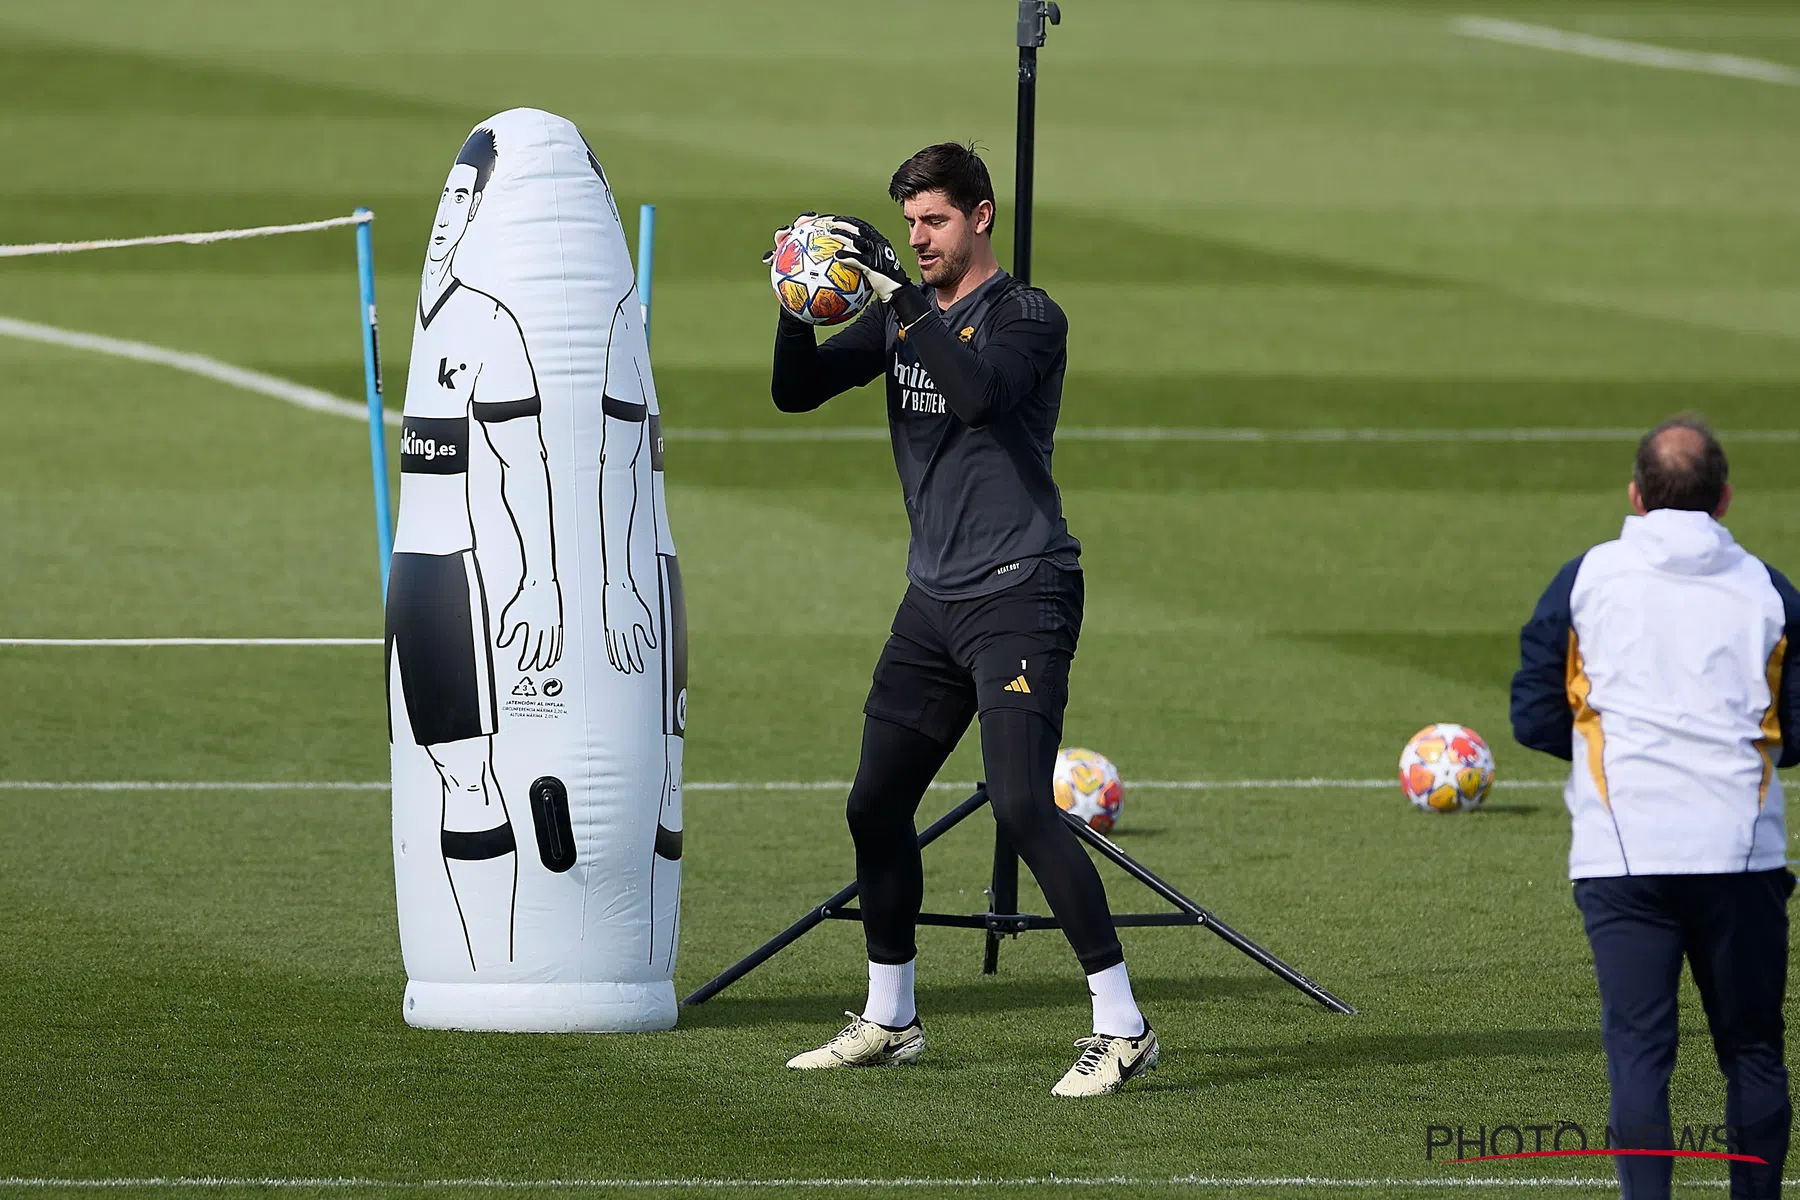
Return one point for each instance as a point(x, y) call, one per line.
point(1663, 665)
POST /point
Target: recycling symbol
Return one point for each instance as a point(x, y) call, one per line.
point(525, 688)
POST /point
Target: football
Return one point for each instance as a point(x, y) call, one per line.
point(810, 282)
point(1088, 785)
point(1446, 768)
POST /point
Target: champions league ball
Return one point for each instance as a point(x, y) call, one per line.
point(1446, 768)
point(1088, 785)
point(810, 282)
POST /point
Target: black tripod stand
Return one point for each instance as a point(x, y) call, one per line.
point(1003, 918)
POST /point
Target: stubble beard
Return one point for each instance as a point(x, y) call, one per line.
point(951, 267)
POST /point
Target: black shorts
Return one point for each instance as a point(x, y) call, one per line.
point(437, 626)
point(949, 659)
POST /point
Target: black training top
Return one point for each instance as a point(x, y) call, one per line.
point(972, 398)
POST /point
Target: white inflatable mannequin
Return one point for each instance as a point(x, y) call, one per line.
point(536, 634)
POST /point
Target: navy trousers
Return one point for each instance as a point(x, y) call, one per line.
point(1732, 930)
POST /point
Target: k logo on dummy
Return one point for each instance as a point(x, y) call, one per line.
point(537, 817)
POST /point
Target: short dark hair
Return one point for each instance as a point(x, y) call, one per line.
point(1675, 472)
point(948, 167)
point(479, 152)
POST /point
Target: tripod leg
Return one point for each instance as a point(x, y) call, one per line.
point(813, 919)
point(1003, 897)
point(1108, 849)
point(772, 947)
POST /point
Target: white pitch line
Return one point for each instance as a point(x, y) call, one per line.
point(317, 401)
point(191, 641)
point(1637, 54)
point(199, 785)
point(194, 364)
point(972, 1183)
point(702, 785)
point(1229, 434)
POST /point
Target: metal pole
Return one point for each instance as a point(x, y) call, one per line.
point(646, 251)
point(1033, 14)
point(371, 340)
point(1003, 896)
point(1027, 151)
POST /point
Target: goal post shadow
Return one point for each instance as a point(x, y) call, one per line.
point(1002, 918)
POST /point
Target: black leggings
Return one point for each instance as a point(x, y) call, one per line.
point(1019, 752)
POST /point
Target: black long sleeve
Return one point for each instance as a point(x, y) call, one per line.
point(1025, 343)
point(974, 467)
point(807, 374)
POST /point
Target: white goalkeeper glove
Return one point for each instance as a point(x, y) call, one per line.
point(867, 249)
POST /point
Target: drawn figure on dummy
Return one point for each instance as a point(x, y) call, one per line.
point(438, 630)
point(631, 464)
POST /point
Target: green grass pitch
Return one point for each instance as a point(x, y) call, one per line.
point(1286, 216)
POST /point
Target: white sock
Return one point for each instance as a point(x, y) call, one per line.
point(1115, 1010)
point(891, 995)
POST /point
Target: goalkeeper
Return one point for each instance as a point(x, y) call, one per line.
point(974, 361)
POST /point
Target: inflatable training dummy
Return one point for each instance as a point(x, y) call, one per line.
point(536, 641)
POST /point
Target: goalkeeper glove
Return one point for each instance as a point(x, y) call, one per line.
point(867, 249)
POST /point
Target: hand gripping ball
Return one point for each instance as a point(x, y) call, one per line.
point(810, 282)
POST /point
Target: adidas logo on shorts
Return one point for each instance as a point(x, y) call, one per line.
point(1018, 685)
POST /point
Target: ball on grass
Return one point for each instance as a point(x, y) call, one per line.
point(1446, 768)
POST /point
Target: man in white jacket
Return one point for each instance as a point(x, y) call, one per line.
point(1666, 667)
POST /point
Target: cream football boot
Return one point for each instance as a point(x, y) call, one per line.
point(1108, 1063)
point(865, 1044)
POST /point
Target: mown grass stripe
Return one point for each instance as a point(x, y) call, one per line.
point(318, 401)
point(969, 1183)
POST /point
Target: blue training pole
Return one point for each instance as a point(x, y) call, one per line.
point(365, 270)
point(646, 250)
